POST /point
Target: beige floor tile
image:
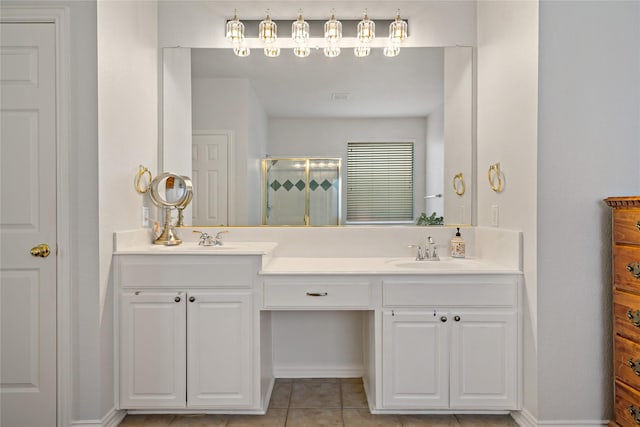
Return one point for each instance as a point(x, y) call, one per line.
point(353, 395)
point(315, 395)
point(199, 421)
point(273, 418)
point(314, 417)
point(351, 380)
point(486, 421)
point(280, 395)
point(363, 418)
point(429, 421)
point(147, 420)
point(316, 380)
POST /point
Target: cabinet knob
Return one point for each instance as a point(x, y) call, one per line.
point(634, 269)
point(457, 318)
point(634, 365)
point(638, 225)
point(177, 299)
point(192, 299)
point(635, 413)
point(443, 319)
point(634, 317)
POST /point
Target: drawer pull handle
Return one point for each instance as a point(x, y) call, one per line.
point(634, 317)
point(638, 225)
point(634, 365)
point(634, 269)
point(317, 294)
point(635, 413)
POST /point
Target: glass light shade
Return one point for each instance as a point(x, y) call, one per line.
point(361, 51)
point(331, 51)
point(301, 51)
point(398, 30)
point(272, 51)
point(235, 30)
point(300, 30)
point(242, 51)
point(333, 30)
point(366, 30)
point(268, 30)
point(391, 51)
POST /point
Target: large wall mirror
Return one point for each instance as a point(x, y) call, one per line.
point(223, 114)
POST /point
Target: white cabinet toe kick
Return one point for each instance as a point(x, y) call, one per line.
point(198, 334)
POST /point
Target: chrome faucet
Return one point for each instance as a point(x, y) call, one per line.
point(430, 252)
point(207, 240)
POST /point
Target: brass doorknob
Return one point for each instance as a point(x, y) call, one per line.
point(42, 250)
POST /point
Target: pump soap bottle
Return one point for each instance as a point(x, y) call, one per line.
point(457, 245)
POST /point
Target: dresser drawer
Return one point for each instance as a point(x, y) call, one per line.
point(626, 266)
point(626, 313)
point(627, 361)
point(626, 226)
point(316, 295)
point(627, 400)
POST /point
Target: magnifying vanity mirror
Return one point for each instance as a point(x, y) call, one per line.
point(170, 191)
point(223, 114)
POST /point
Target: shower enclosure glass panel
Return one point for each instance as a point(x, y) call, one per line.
point(301, 191)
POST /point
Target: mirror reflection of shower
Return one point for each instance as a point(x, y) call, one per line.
point(301, 191)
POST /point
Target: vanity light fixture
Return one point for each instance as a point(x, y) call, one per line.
point(272, 51)
point(391, 51)
point(300, 30)
point(268, 30)
point(331, 51)
point(333, 29)
point(235, 29)
point(366, 30)
point(301, 51)
point(398, 30)
point(361, 51)
point(241, 51)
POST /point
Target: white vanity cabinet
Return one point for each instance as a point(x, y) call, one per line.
point(450, 344)
point(186, 341)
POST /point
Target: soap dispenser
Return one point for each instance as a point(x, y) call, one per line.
point(457, 245)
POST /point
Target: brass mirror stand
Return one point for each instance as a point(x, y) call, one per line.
point(168, 237)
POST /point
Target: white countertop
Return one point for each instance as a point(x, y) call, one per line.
point(192, 248)
point(379, 265)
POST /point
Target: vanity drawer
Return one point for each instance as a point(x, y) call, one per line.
point(626, 314)
point(626, 226)
point(152, 271)
point(316, 295)
point(626, 267)
point(627, 361)
point(415, 294)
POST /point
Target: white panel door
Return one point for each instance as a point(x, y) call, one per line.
point(210, 177)
point(415, 360)
point(27, 219)
point(220, 349)
point(483, 360)
point(152, 350)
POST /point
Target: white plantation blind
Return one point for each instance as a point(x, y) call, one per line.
point(379, 181)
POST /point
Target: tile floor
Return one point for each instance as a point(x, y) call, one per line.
point(319, 402)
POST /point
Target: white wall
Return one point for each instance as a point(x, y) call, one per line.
point(128, 137)
point(434, 164)
point(329, 137)
point(507, 95)
point(258, 128)
point(588, 149)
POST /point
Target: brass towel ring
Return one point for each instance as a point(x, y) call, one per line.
point(458, 184)
point(139, 179)
point(495, 177)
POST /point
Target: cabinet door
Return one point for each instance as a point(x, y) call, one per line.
point(483, 360)
point(415, 360)
point(219, 349)
point(152, 350)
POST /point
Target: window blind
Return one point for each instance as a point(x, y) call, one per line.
point(379, 181)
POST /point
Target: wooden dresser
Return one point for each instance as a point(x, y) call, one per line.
point(626, 309)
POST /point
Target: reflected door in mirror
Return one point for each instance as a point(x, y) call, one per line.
point(210, 172)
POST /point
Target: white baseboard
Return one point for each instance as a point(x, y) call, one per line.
point(525, 419)
point(111, 419)
point(354, 371)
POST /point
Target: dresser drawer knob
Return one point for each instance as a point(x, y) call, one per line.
point(634, 269)
point(317, 294)
point(634, 365)
point(634, 317)
point(634, 412)
point(638, 225)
